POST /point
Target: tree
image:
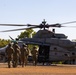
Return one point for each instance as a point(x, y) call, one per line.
point(28, 33)
point(4, 42)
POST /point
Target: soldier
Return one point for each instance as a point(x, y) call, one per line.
point(34, 53)
point(16, 54)
point(24, 55)
point(9, 53)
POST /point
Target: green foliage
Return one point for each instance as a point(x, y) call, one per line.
point(27, 33)
point(3, 42)
point(60, 62)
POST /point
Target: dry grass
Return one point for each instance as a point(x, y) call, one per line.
point(38, 70)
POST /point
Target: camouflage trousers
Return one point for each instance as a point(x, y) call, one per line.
point(9, 62)
point(15, 62)
point(23, 61)
point(34, 60)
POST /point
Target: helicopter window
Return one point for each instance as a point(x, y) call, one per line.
point(65, 54)
point(73, 53)
point(55, 48)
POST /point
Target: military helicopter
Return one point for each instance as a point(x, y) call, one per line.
point(53, 47)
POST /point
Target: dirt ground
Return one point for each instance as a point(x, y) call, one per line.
point(38, 70)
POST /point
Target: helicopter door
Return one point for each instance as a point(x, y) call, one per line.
point(43, 55)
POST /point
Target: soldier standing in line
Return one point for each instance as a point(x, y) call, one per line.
point(16, 55)
point(9, 53)
point(34, 53)
point(24, 54)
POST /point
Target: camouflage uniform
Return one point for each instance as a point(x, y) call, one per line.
point(34, 55)
point(24, 55)
point(9, 52)
point(16, 55)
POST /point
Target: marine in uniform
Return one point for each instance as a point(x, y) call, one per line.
point(34, 53)
point(24, 55)
point(9, 54)
point(16, 55)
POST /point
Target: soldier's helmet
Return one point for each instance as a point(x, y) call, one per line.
point(24, 45)
point(34, 47)
point(16, 45)
point(9, 44)
point(16, 42)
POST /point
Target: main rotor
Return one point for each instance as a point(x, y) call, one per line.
point(43, 26)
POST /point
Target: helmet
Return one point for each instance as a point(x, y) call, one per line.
point(24, 45)
point(9, 44)
point(16, 45)
point(16, 42)
point(34, 47)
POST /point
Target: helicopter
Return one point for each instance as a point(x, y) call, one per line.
point(53, 47)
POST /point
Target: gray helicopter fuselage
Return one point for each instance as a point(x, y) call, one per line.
point(60, 48)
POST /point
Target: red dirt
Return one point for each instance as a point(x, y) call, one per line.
point(39, 70)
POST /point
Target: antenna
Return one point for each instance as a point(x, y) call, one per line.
point(44, 23)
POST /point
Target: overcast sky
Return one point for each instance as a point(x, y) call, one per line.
point(34, 11)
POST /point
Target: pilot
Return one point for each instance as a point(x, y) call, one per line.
point(34, 53)
point(24, 55)
point(9, 53)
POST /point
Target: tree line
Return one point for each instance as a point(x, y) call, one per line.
point(3, 42)
point(27, 33)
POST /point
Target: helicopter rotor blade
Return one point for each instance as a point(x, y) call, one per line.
point(13, 25)
point(31, 25)
point(69, 26)
point(61, 25)
point(18, 29)
point(68, 22)
point(53, 25)
point(17, 25)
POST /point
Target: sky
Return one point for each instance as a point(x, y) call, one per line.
point(34, 11)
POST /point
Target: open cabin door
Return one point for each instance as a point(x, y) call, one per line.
point(43, 55)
